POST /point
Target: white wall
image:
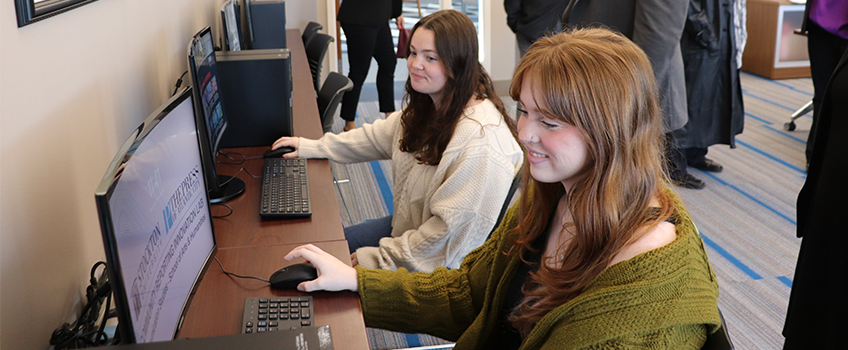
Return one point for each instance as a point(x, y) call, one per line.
point(499, 44)
point(72, 87)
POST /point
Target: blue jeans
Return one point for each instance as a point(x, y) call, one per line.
point(368, 233)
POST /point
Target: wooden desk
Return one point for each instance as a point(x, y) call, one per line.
point(219, 302)
point(248, 245)
point(772, 50)
point(244, 227)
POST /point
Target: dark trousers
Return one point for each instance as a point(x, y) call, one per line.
point(675, 160)
point(825, 50)
point(368, 233)
point(695, 155)
point(364, 42)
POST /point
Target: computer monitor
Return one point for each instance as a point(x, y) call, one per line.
point(156, 223)
point(210, 114)
point(231, 21)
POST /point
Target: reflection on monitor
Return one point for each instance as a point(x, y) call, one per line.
point(156, 223)
point(210, 115)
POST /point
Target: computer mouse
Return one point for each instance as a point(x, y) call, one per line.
point(290, 276)
point(279, 152)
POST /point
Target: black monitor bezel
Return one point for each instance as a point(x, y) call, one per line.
point(220, 188)
point(125, 331)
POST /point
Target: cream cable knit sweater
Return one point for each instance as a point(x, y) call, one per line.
point(442, 212)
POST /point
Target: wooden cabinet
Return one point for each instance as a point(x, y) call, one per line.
point(773, 49)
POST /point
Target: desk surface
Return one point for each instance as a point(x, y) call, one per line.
point(248, 245)
point(218, 304)
point(244, 227)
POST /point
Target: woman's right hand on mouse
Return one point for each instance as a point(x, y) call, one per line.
point(333, 274)
point(292, 142)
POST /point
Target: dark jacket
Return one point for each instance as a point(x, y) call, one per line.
point(369, 12)
point(533, 19)
point(817, 316)
point(714, 94)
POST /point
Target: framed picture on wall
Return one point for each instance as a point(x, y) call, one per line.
point(29, 11)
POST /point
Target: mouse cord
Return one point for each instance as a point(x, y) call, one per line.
point(239, 276)
point(237, 161)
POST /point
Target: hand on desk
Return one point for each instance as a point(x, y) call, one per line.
point(292, 142)
point(353, 260)
point(333, 274)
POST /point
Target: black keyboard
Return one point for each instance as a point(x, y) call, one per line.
point(271, 314)
point(285, 189)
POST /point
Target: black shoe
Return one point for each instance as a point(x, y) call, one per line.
point(708, 165)
point(689, 181)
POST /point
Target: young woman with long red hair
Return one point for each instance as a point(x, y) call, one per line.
point(598, 253)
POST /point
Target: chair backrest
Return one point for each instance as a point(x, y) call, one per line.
point(512, 188)
point(315, 53)
point(720, 340)
point(330, 96)
point(309, 32)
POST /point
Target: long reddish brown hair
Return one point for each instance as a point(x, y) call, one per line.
point(603, 84)
point(428, 128)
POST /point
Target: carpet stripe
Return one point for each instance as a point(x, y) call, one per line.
point(750, 196)
point(730, 257)
point(388, 198)
point(774, 158)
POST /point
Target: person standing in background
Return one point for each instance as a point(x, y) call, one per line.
point(826, 26)
point(533, 19)
point(656, 26)
point(716, 112)
point(816, 315)
point(366, 27)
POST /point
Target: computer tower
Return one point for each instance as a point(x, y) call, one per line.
point(267, 23)
point(256, 88)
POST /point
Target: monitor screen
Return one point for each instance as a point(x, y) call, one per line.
point(156, 223)
point(231, 21)
point(210, 115)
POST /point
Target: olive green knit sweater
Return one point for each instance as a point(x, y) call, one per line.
point(662, 299)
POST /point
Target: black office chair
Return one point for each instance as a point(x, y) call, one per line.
point(315, 53)
point(330, 96)
point(516, 181)
point(720, 340)
point(309, 32)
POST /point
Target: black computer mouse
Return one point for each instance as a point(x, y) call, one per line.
point(279, 152)
point(290, 276)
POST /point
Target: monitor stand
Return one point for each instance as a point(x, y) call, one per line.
point(229, 187)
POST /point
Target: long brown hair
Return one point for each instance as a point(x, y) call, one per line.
point(427, 128)
point(603, 84)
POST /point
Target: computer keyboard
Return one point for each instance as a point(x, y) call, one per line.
point(285, 189)
point(270, 314)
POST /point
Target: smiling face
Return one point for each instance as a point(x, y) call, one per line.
point(556, 150)
point(426, 71)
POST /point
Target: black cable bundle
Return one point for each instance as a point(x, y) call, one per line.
point(84, 332)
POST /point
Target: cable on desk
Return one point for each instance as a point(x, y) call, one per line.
point(230, 157)
point(238, 161)
point(239, 276)
point(225, 215)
